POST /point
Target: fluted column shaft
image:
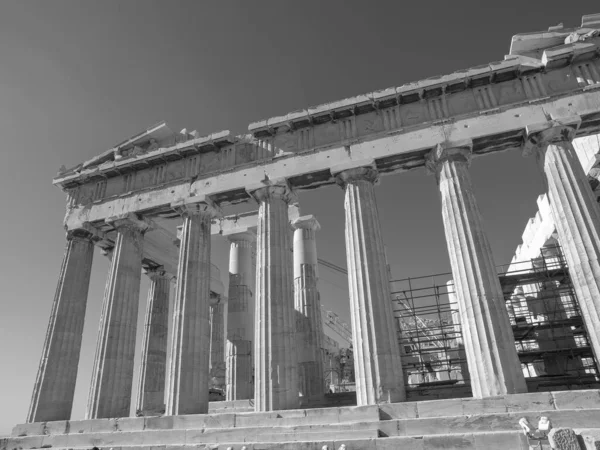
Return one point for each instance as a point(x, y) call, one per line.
point(217, 342)
point(576, 215)
point(151, 390)
point(54, 387)
point(276, 366)
point(112, 375)
point(494, 366)
point(187, 392)
point(307, 302)
point(240, 318)
point(377, 364)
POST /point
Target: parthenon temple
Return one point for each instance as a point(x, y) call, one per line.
point(253, 368)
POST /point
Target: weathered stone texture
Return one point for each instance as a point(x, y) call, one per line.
point(378, 369)
point(187, 391)
point(54, 387)
point(112, 376)
point(494, 366)
point(151, 390)
point(563, 439)
point(276, 365)
point(217, 343)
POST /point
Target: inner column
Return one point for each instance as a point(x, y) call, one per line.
point(494, 365)
point(377, 365)
point(217, 342)
point(187, 392)
point(576, 216)
point(240, 318)
point(276, 365)
point(112, 376)
point(151, 392)
point(309, 327)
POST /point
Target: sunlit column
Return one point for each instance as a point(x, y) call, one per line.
point(377, 364)
point(494, 366)
point(112, 375)
point(54, 387)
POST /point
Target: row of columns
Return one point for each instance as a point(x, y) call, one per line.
point(282, 320)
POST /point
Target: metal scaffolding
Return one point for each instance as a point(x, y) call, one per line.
point(550, 336)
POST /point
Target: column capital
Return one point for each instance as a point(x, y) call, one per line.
point(459, 151)
point(157, 273)
point(79, 234)
point(201, 205)
point(129, 221)
point(309, 222)
point(246, 235)
point(540, 135)
point(369, 174)
point(279, 189)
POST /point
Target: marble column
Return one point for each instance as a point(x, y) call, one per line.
point(307, 302)
point(217, 342)
point(494, 366)
point(275, 363)
point(240, 318)
point(54, 387)
point(151, 389)
point(576, 215)
point(187, 392)
point(377, 364)
point(112, 374)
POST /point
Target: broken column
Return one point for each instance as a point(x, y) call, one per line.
point(112, 375)
point(187, 391)
point(378, 369)
point(309, 327)
point(217, 342)
point(151, 391)
point(54, 387)
point(275, 363)
point(240, 318)
point(575, 212)
point(494, 366)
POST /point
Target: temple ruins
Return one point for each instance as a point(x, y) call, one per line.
point(453, 364)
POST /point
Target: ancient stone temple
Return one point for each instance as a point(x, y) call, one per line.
point(155, 202)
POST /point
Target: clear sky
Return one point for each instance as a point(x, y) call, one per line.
point(77, 77)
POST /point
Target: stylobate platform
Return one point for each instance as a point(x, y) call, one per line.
point(463, 423)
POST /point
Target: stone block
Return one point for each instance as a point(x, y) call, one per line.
point(577, 399)
point(406, 410)
point(130, 423)
point(359, 413)
point(535, 401)
point(322, 415)
point(503, 440)
point(489, 405)
point(28, 429)
point(450, 442)
point(356, 444)
point(563, 439)
point(440, 408)
point(93, 426)
point(571, 418)
point(392, 428)
point(404, 443)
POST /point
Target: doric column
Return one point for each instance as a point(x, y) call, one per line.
point(240, 318)
point(151, 390)
point(217, 342)
point(309, 328)
point(187, 391)
point(54, 387)
point(576, 215)
point(377, 365)
point(275, 363)
point(112, 375)
point(494, 366)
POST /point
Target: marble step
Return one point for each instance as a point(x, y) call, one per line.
point(256, 431)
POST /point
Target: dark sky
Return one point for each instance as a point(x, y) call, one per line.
point(77, 77)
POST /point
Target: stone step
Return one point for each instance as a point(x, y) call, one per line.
point(255, 431)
